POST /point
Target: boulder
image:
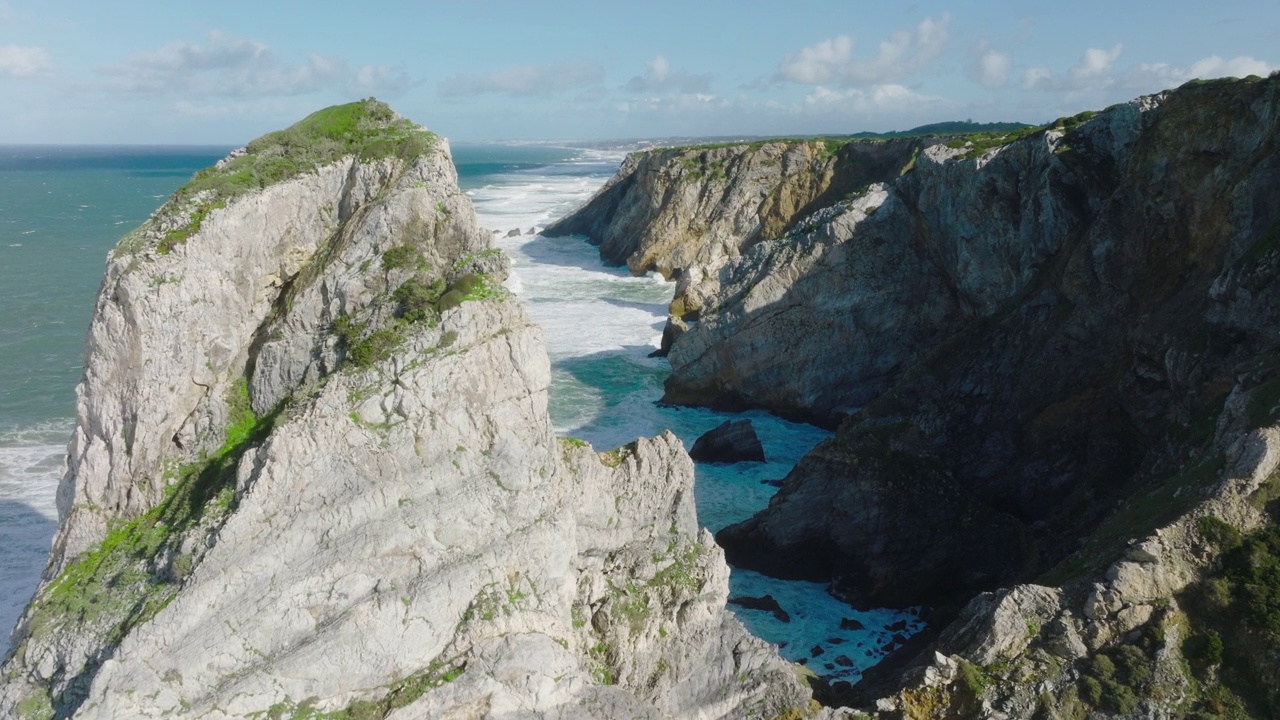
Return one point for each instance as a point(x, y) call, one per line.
point(767, 603)
point(731, 442)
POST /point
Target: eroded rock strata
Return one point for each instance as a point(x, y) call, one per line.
point(1052, 358)
point(313, 475)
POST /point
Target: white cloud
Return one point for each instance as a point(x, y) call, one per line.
point(1096, 63)
point(525, 80)
point(676, 104)
point(1093, 72)
point(1097, 71)
point(237, 67)
point(832, 61)
point(879, 99)
point(990, 68)
point(1036, 77)
point(17, 61)
point(660, 78)
point(1149, 77)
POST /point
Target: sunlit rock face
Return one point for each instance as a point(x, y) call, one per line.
point(313, 472)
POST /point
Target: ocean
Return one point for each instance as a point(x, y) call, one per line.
point(63, 208)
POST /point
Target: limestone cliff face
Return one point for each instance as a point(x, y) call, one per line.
point(1051, 359)
point(313, 474)
point(686, 212)
point(1042, 321)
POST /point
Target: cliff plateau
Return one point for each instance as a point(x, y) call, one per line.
point(313, 476)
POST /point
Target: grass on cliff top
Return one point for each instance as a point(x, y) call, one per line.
point(367, 129)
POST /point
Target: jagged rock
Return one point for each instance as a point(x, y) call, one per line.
point(851, 624)
point(684, 212)
point(995, 627)
point(992, 295)
point(767, 603)
point(730, 442)
point(671, 332)
point(325, 488)
point(514, 232)
point(531, 231)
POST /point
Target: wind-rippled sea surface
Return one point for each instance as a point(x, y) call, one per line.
point(62, 209)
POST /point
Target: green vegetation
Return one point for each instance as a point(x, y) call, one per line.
point(399, 695)
point(978, 143)
point(1234, 652)
point(574, 442)
point(955, 127)
point(125, 580)
point(418, 301)
point(367, 129)
point(404, 256)
point(1115, 679)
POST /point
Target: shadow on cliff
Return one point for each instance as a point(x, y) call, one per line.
point(25, 535)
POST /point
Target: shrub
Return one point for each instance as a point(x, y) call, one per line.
point(1218, 532)
point(417, 299)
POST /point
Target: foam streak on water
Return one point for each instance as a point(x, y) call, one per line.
point(601, 324)
point(30, 466)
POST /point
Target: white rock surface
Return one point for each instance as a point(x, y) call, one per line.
point(410, 537)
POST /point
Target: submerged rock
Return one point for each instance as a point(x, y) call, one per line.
point(732, 441)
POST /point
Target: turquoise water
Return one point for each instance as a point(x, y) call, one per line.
point(62, 209)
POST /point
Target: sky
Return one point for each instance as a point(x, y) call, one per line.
point(165, 72)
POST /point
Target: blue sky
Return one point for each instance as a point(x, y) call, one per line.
point(75, 71)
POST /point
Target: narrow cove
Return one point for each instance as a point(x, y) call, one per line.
point(601, 323)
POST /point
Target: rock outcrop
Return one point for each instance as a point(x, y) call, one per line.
point(313, 475)
point(685, 212)
point(729, 442)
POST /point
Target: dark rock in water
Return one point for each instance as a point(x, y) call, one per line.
point(514, 232)
point(817, 651)
point(851, 624)
point(844, 661)
point(899, 639)
point(674, 329)
point(835, 641)
point(531, 231)
point(733, 441)
point(766, 603)
point(775, 483)
point(802, 661)
point(898, 626)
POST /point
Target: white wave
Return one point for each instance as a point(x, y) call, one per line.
point(31, 463)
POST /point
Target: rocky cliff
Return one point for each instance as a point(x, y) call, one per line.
point(313, 476)
point(685, 212)
point(1052, 357)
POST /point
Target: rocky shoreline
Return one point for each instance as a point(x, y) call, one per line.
point(1049, 354)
